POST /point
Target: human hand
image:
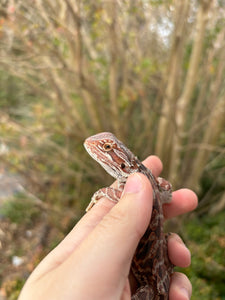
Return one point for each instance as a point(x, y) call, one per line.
point(93, 261)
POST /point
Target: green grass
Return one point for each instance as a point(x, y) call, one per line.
point(206, 240)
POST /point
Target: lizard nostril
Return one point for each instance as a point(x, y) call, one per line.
point(122, 166)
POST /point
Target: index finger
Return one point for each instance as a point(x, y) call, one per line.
point(183, 200)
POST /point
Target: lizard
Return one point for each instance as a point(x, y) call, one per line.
point(150, 265)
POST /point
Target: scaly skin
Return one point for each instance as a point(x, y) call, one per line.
point(150, 265)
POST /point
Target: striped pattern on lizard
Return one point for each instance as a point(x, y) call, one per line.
point(150, 266)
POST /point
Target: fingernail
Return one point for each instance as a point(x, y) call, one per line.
point(133, 184)
point(180, 241)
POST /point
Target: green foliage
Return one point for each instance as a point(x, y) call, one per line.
point(206, 239)
point(157, 2)
point(20, 210)
point(12, 91)
point(13, 289)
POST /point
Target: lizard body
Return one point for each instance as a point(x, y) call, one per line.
point(150, 266)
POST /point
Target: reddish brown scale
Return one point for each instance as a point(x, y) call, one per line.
point(151, 266)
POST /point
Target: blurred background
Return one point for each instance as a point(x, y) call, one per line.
point(150, 71)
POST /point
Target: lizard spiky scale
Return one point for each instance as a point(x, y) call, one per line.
point(151, 266)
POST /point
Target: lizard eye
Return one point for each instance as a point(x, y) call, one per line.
point(107, 147)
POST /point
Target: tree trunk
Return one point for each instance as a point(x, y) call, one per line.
point(166, 123)
point(185, 98)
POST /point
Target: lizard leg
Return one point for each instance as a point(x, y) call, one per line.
point(108, 192)
point(165, 189)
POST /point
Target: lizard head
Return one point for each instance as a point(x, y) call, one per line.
point(111, 154)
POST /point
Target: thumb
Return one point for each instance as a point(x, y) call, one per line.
point(130, 217)
point(111, 245)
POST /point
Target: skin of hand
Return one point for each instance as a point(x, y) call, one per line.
point(93, 260)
